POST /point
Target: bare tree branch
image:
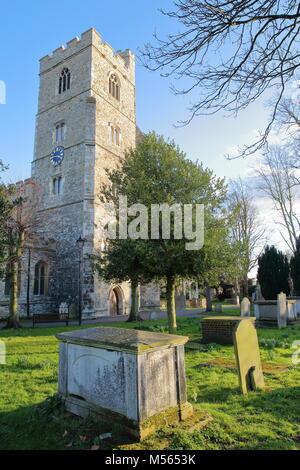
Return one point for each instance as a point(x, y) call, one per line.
point(230, 52)
point(276, 180)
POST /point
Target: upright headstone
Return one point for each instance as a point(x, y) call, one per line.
point(245, 307)
point(63, 310)
point(247, 356)
point(218, 308)
point(258, 294)
point(291, 311)
point(180, 302)
point(281, 310)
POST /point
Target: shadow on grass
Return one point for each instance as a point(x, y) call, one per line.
point(48, 426)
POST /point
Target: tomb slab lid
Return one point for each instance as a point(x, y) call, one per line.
point(230, 319)
point(122, 339)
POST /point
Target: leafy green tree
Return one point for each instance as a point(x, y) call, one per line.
point(158, 172)
point(217, 260)
point(295, 268)
point(130, 268)
point(273, 273)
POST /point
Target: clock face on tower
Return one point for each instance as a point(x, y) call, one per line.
point(57, 156)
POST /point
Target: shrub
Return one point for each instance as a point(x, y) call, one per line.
point(295, 268)
point(273, 273)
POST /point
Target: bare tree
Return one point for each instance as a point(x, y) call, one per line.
point(18, 228)
point(247, 232)
point(230, 52)
point(288, 124)
point(278, 180)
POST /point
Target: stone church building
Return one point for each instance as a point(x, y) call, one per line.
point(86, 119)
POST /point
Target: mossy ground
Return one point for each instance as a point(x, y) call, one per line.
point(269, 419)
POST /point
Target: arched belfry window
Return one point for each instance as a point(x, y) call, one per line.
point(114, 86)
point(40, 279)
point(64, 80)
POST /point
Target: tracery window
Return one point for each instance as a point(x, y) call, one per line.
point(114, 86)
point(64, 81)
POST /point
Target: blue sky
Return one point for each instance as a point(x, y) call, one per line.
point(30, 30)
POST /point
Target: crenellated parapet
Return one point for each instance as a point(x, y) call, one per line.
point(121, 59)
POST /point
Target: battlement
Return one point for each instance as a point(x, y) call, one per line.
point(122, 59)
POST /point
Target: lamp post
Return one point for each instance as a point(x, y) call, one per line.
point(28, 283)
point(80, 243)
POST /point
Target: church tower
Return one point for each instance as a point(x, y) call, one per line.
point(85, 121)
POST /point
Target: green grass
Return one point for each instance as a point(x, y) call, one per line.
point(268, 419)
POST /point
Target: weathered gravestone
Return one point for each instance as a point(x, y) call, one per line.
point(281, 310)
point(2, 352)
point(247, 356)
point(133, 378)
point(245, 307)
point(291, 306)
point(63, 310)
point(180, 302)
point(218, 308)
point(258, 294)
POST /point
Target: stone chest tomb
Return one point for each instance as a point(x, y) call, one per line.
point(130, 377)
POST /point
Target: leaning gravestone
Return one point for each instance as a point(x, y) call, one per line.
point(247, 356)
point(245, 307)
point(281, 310)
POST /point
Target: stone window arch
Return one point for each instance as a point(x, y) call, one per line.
point(40, 286)
point(57, 185)
point(64, 80)
point(60, 132)
point(114, 134)
point(114, 86)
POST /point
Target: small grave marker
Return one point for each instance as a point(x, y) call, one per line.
point(281, 310)
point(63, 310)
point(245, 307)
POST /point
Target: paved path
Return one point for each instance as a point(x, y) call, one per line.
point(200, 313)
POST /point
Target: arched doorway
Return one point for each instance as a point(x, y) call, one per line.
point(116, 302)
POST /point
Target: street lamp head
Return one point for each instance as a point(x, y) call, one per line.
point(80, 242)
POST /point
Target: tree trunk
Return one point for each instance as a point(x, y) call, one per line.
point(14, 316)
point(13, 319)
point(171, 305)
point(245, 287)
point(133, 316)
point(208, 298)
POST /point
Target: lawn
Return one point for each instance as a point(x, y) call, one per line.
point(32, 417)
